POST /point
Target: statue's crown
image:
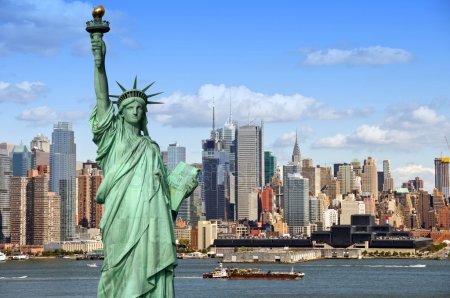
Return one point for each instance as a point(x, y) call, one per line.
point(135, 93)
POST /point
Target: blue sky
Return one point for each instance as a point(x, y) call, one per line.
point(354, 78)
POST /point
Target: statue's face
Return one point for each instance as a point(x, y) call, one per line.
point(133, 112)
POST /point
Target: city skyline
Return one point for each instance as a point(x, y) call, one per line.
point(354, 79)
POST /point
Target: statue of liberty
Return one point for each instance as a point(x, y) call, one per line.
point(140, 198)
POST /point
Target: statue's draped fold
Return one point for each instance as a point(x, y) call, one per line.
point(137, 226)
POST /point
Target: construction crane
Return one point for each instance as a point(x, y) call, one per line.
point(448, 145)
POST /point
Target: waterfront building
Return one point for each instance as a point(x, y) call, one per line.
point(346, 178)
point(21, 160)
point(207, 233)
point(423, 207)
point(270, 165)
point(250, 165)
point(18, 192)
point(442, 175)
point(87, 246)
point(88, 211)
point(175, 155)
point(63, 175)
point(46, 212)
point(5, 205)
point(296, 202)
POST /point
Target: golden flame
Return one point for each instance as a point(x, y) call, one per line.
point(98, 11)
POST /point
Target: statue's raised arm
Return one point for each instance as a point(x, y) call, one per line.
point(100, 78)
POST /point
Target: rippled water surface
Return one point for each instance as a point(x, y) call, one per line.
point(325, 278)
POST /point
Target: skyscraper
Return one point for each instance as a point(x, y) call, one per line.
point(296, 203)
point(46, 222)
point(370, 177)
point(294, 166)
point(21, 160)
point(346, 178)
point(250, 164)
point(270, 164)
point(88, 211)
point(442, 175)
point(175, 154)
point(5, 205)
point(40, 151)
point(63, 175)
point(388, 181)
point(19, 209)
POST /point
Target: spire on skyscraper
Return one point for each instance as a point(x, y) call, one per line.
point(214, 135)
point(296, 152)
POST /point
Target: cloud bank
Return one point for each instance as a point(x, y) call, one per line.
point(22, 92)
point(374, 55)
point(195, 110)
point(43, 115)
point(407, 129)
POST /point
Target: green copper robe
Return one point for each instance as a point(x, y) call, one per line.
point(137, 224)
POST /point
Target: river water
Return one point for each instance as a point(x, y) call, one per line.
point(324, 278)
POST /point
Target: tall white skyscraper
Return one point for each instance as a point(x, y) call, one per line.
point(250, 164)
point(63, 175)
point(388, 183)
point(175, 154)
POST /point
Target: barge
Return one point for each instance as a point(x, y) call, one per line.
point(251, 273)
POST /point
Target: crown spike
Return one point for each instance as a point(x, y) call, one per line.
point(121, 87)
point(135, 83)
point(154, 94)
point(145, 89)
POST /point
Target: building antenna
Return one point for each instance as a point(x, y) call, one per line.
point(231, 115)
point(214, 120)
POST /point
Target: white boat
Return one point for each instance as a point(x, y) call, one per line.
point(20, 257)
point(93, 265)
point(2, 256)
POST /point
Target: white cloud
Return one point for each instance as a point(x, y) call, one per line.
point(287, 139)
point(407, 129)
point(375, 55)
point(22, 92)
point(44, 115)
point(337, 141)
point(42, 27)
point(194, 110)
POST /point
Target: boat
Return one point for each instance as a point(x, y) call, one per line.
point(93, 265)
point(251, 273)
point(20, 257)
point(2, 256)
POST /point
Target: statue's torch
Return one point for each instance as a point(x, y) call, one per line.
point(97, 27)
